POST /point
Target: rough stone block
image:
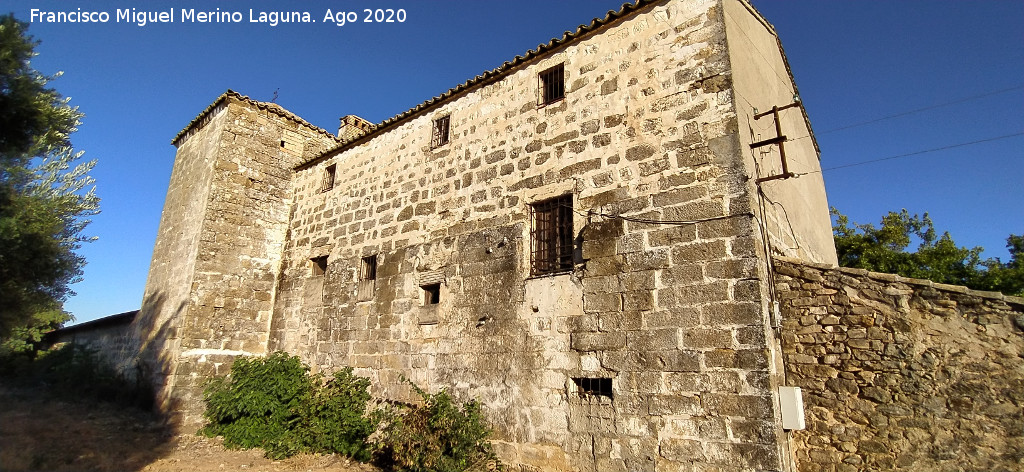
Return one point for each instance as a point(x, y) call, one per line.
point(678, 318)
point(682, 274)
point(708, 338)
point(703, 293)
point(699, 252)
point(602, 284)
point(620, 321)
point(695, 211)
point(638, 300)
point(717, 314)
point(598, 341)
point(643, 280)
point(605, 266)
point(652, 167)
point(668, 405)
point(684, 195)
point(745, 406)
point(597, 248)
point(648, 260)
point(606, 229)
point(672, 236)
point(602, 302)
point(654, 339)
point(673, 361)
point(638, 153)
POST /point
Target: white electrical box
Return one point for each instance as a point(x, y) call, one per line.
point(792, 402)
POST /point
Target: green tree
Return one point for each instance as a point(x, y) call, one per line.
point(46, 194)
point(937, 257)
point(1006, 277)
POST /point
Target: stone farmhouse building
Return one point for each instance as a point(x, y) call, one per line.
point(586, 239)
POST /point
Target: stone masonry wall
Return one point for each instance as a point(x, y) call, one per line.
point(902, 374)
point(651, 351)
point(110, 338)
point(169, 284)
point(673, 314)
point(227, 215)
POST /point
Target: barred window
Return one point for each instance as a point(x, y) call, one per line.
point(442, 130)
point(552, 237)
point(328, 182)
point(593, 387)
point(552, 84)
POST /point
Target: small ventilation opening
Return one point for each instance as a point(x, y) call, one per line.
point(368, 269)
point(282, 143)
point(431, 294)
point(593, 387)
point(328, 182)
point(319, 265)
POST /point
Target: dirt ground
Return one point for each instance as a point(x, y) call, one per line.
point(40, 432)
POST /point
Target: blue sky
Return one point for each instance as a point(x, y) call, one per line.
point(854, 62)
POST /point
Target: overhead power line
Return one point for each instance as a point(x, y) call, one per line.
point(900, 156)
point(911, 112)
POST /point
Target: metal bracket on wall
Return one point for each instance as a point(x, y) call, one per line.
point(779, 139)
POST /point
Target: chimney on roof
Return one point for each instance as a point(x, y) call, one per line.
point(353, 127)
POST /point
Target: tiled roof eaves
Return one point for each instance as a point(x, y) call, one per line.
point(271, 107)
point(487, 77)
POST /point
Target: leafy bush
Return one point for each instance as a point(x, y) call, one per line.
point(257, 404)
point(334, 420)
point(440, 436)
point(275, 404)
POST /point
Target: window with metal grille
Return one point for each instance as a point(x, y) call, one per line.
point(552, 237)
point(319, 265)
point(442, 130)
point(328, 182)
point(593, 387)
point(552, 84)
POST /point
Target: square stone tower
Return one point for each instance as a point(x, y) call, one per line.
point(580, 239)
point(218, 252)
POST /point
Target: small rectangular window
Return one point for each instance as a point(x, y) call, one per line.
point(368, 269)
point(431, 294)
point(367, 278)
point(593, 387)
point(319, 265)
point(328, 182)
point(442, 131)
point(552, 237)
point(552, 84)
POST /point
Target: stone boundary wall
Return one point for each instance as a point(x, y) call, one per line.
point(109, 337)
point(901, 374)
